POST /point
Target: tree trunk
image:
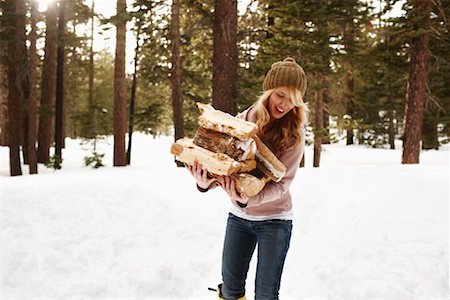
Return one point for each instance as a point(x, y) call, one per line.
point(175, 76)
point(349, 32)
point(318, 122)
point(120, 121)
point(32, 105)
point(3, 105)
point(15, 88)
point(48, 86)
point(133, 96)
point(24, 78)
point(391, 115)
point(92, 115)
point(415, 90)
point(59, 108)
point(326, 117)
point(224, 62)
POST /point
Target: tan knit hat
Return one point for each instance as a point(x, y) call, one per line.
point(285, 73)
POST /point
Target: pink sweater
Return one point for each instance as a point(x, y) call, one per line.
point(275, 197)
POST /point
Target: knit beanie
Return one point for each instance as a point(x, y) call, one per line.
point(285, 73)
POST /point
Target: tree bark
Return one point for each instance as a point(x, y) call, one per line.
point(32, 102)
point(175, 75)
point(415, 90)
point(349, 32)
point(24, 77)
point(15, 88)
point(133, 96)
point(92, 114)
point(318, 122)
point(3, 102)
point(120, 121)
point(391, 115)
point(224, 62)
point(59, 108)
point(48, 86)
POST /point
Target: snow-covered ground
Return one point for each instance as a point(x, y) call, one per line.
point(366, 227)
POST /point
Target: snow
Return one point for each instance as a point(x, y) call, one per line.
point(366, 227)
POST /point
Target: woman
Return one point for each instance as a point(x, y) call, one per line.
point(265, 219)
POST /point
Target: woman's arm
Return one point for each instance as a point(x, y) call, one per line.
point(276, 190)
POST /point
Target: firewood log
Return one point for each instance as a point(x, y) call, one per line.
point(222, 143)
point(220, 121)
point(248, 184)
point(216, 163)
point(268, 163)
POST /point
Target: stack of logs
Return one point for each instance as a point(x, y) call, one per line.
point(228, 146)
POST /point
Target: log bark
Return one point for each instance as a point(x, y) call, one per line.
point(216, 163)
point(222, 143)
point(267, 162)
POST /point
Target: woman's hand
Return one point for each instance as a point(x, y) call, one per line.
point(229, 185)
point(201, 175)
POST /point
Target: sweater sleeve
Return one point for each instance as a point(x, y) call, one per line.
point(273, 191)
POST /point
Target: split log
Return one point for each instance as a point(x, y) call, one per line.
point(220, 121)
point(248, 184)
point(216, 163)
point(268, 163)
point(219, 142)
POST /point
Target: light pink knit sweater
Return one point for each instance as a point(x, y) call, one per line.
point(275, 197)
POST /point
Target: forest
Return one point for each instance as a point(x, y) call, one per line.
point(378, 71)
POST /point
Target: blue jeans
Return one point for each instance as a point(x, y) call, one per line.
point(241, 238)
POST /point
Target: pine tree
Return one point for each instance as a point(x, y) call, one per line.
point(415, 92)
point(59, 107)
point(120, 122)
point(32, 107)
point(48, 86)
point(175, 74)
point(14, 84)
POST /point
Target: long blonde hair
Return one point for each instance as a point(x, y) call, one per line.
point(283, 133)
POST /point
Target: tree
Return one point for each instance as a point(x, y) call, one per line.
point(32, 109)
point(175, 74)
point(15, 85)
point(131, 115)
point(59, 109)
point(48, 86)
point(225, 55)
point(91, 105)
point(415, 91)
point(3, 102)
point(120, 122)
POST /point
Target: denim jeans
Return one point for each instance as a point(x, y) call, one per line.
point(241, 238)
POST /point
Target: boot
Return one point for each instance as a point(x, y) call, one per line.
point(219, 291)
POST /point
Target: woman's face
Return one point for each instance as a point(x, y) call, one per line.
point(279, 103)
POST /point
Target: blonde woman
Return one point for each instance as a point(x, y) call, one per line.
point(264, 220)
